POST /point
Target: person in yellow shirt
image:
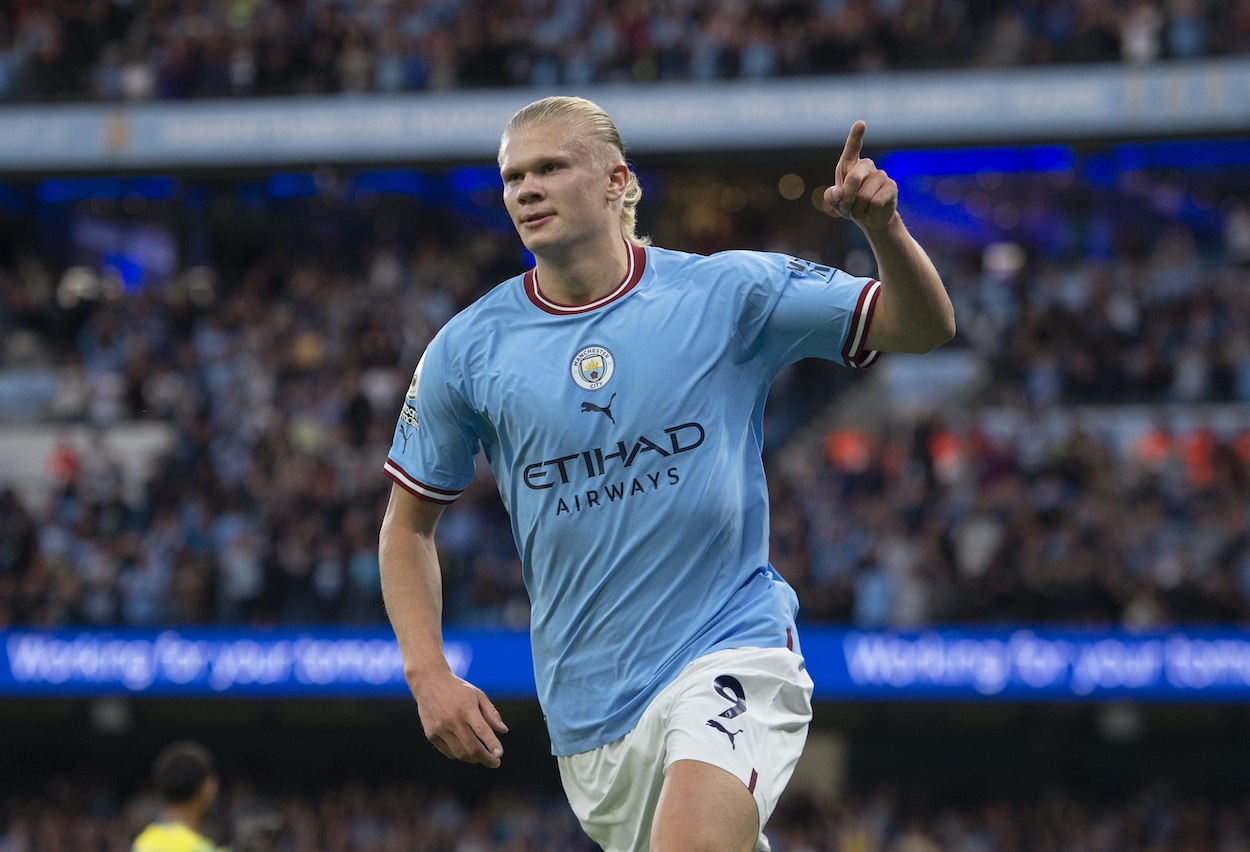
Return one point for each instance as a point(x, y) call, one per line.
point(186, 781)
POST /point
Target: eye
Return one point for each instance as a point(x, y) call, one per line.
point(550, 167)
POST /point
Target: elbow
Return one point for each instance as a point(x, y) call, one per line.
point(946, 332)
point(910, 328)
point(938, 334)
point(944, 325)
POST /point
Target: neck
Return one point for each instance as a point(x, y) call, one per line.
point(585, 277)
point(187, 814)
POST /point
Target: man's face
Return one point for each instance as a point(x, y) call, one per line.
point(555, 192)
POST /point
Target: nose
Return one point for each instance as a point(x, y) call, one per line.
point(530, 188)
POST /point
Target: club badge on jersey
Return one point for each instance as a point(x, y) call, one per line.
point(592, 367)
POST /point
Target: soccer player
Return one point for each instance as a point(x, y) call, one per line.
point(186, 781)
point(617, 390)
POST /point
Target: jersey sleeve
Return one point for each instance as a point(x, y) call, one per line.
point(799, 309)
point(436, 439)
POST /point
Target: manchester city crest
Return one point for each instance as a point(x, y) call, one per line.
point(593, 367)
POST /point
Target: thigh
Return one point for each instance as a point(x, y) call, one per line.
point(745, 712)
point(704, 808)
point(742, 713)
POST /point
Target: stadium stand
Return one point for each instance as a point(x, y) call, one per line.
point(275, 381)
point(357, 817)
point(114, 51)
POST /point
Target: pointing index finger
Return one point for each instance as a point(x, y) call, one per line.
point(854, 144)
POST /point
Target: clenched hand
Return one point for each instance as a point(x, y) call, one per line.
point(861, 192)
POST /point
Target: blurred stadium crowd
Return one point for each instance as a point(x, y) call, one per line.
point(283, 390)
point(113, 50)
point(282, 378)
point(388, 818)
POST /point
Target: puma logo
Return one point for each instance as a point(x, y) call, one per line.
point(712, 723)
point(607, 409)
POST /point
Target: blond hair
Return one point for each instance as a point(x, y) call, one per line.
point(601, 135)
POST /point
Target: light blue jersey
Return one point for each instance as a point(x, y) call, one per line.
point(626, 436)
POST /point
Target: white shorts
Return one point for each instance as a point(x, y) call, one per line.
point(745, 710)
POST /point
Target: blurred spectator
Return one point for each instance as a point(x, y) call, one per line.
point(1141, 32)
point(186, 781)
point(1186, 28)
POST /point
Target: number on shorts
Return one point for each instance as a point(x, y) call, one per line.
point(729, 688)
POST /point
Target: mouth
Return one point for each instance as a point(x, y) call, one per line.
point(534, 220)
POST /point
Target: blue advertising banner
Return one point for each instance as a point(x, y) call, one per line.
point(1032, 665)
point(974, 664)
point(281, 663)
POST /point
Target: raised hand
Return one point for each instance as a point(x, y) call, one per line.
point(861, 192)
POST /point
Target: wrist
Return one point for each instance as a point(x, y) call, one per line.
point(891, 229)
point(426, 670)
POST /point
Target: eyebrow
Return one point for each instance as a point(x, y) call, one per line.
point(521, 166)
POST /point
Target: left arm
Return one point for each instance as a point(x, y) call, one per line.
point(913, 312)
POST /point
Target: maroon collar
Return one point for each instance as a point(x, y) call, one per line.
point(637, 265)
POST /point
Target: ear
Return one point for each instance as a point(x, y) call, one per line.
point(618, 179)
point(208, 791)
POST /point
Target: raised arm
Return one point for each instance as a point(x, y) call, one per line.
point(913, 312)
point(457, 717)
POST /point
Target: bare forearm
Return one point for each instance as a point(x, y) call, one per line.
point(456, 716)
point(412, 591)
point(913, 312)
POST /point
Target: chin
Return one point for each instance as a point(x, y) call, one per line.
point(537, 243)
